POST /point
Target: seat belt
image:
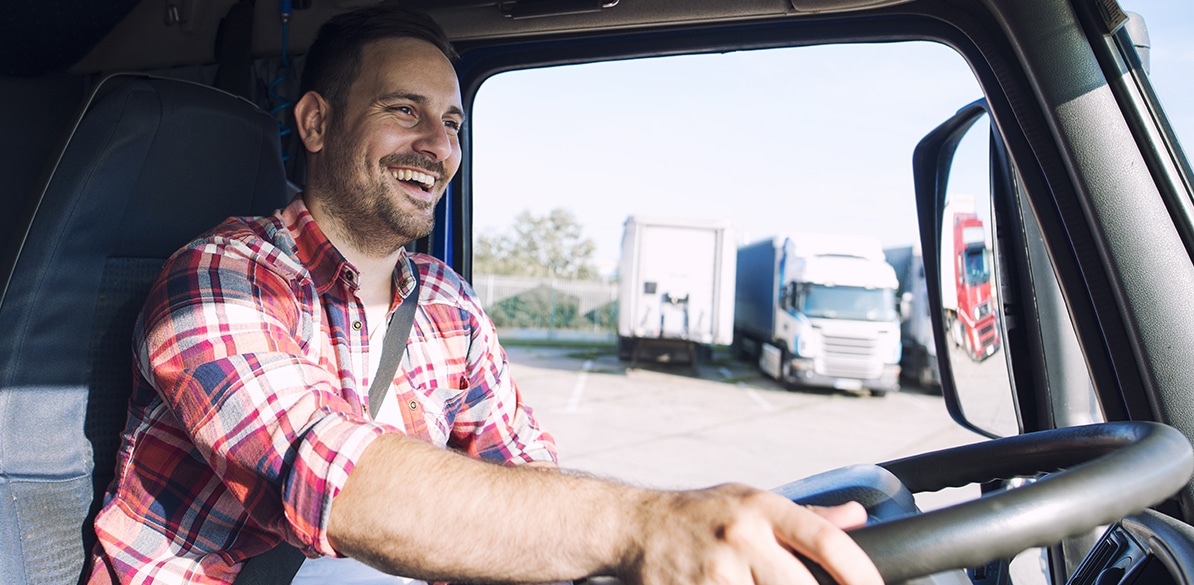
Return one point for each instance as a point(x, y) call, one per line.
point(279, 565)
point(394, 345)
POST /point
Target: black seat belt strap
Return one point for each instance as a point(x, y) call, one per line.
point(394, 345)
point(279, 565)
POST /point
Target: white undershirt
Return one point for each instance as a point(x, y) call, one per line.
point(325, 570)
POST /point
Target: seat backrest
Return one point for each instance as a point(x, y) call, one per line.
point(150, 164)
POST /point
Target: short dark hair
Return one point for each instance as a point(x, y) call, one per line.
point(334, 60)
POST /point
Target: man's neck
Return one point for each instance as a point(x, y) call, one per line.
point(375, 280)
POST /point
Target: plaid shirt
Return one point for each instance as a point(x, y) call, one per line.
point(249, 406)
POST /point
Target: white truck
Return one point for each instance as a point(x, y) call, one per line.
point(675, 288)
point(918, 360)
point(819, 310)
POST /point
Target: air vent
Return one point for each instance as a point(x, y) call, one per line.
point(1098, 558)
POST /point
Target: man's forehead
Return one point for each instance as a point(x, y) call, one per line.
point(409, 66)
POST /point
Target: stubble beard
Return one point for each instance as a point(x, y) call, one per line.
point(366, 212)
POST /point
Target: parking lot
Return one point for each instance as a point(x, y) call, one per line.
point(659, 425)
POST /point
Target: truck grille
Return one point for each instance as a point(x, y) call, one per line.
point(982, 311)
point(851, 357)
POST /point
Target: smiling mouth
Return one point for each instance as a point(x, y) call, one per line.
point(419, 179)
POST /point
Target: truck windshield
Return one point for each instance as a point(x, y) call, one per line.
point(849, 302)
point(976, 266)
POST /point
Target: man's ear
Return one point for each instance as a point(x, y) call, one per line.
point(312, 114)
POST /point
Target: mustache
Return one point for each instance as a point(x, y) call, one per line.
point(416, 161)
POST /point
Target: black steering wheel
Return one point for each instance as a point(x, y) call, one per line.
point(1096, 475)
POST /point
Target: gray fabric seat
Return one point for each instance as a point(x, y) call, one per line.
point(150, 164)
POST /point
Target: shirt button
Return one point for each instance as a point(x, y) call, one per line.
point(356, 325)
point(349, 275)
point(413, 404)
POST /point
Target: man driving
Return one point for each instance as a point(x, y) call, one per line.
point(250, 422)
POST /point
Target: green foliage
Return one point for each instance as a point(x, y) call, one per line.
point(551, 245)
point(604, 317)
point(545, 308)
point(539, 308)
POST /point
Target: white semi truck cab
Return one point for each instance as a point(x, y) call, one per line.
point(820, 310)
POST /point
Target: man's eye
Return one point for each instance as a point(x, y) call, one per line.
point(402, 109)
point(452, 125)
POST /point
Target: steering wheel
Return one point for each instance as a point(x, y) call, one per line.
point(1097, 474)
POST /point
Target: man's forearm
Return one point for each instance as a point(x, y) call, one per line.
point(412, 509)
point(416, 510)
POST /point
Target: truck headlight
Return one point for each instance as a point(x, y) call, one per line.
point(809, 343)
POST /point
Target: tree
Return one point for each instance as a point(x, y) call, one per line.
point(550, 245)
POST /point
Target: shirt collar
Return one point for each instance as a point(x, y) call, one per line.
point(325, 263)
point(316, 252)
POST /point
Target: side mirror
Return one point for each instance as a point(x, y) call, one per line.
point(905, 307)
point(788, 293)
point(1138, 32)
point(958, 240)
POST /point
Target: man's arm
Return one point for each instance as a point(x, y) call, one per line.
point(410, 508)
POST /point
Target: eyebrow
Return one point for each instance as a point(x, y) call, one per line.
point(416, 98)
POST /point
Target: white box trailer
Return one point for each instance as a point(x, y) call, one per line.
point(675, 288)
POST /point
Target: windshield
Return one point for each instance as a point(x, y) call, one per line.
point(976, 266)
point(849, 302)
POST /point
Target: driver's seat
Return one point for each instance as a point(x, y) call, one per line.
point(150, 164)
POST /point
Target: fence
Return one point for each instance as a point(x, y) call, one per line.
point(518, 302)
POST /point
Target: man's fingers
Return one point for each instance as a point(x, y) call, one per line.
point(780, 567)
point(819, 539)
point(845, 516)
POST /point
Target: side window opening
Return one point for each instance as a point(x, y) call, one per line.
point(813, 140)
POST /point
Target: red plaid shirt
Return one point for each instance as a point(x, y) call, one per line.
point(249, 406)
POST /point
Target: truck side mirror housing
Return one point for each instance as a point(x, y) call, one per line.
point(905, 306)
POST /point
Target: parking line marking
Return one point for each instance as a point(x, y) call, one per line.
point(758, 398)
point(579, 389)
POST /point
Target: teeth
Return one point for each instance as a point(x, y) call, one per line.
point(412, 175)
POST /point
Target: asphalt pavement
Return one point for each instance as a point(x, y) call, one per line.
point(659, 425)
point(662, 426)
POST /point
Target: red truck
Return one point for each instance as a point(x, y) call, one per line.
point(970, 309)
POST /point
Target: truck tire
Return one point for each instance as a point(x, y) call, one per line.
point(925, 377)
point(744, 349)
point(957, 333)
point(625, 348)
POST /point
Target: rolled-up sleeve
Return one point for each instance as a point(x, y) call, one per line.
point(494, 422)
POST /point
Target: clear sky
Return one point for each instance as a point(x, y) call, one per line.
point(808, 139)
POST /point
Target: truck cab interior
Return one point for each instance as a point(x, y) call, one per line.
point(132, 126)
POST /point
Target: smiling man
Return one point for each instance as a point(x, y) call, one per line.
point(250, 421)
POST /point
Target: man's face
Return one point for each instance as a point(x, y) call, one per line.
point(393, 147)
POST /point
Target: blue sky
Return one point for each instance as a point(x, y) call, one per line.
point(808, 139)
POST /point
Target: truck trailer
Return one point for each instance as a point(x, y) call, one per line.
point(675, 288)
point(819, 310)
point(918, 358)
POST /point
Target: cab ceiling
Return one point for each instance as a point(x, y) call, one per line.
point(167, 33)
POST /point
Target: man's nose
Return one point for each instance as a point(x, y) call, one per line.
point(435, 141)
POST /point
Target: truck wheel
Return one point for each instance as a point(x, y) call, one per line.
point(744, 349)
point(625, 348)
point(925, 377)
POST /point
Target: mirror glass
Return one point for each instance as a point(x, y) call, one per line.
point(971, 309)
